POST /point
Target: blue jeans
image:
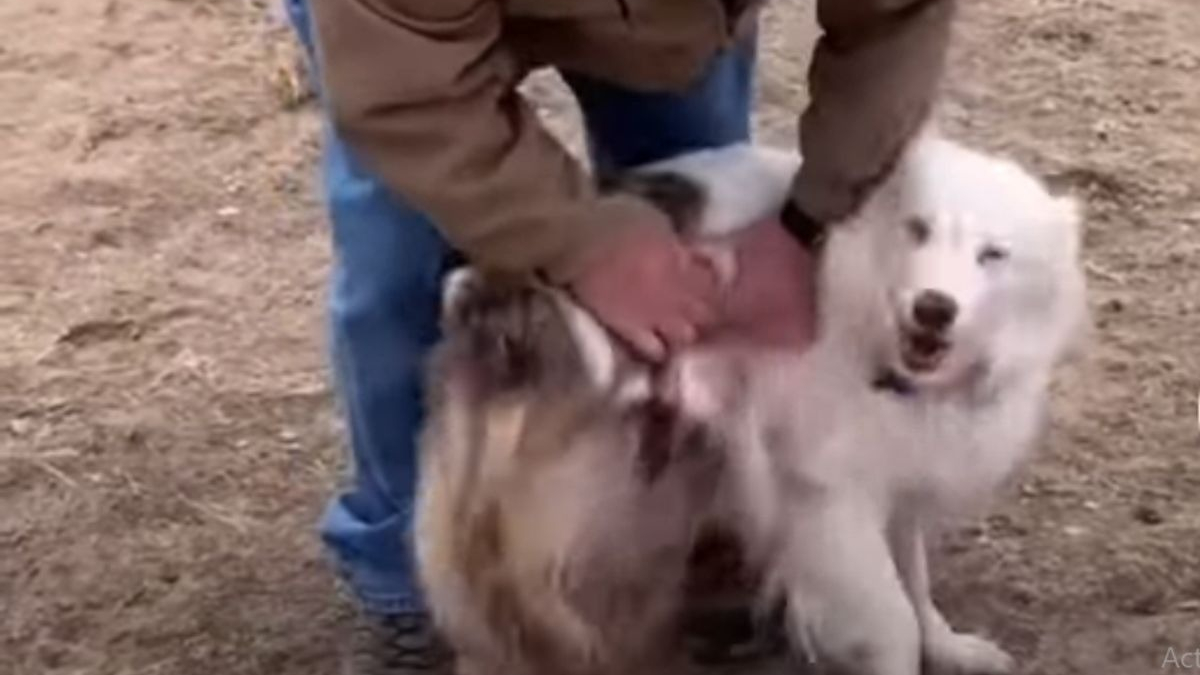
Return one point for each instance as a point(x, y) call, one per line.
point(384, 301)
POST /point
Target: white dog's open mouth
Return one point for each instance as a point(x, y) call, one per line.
point(922, 351)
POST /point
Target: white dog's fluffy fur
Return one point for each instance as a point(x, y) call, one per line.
point(847, 457)
point(944, 305)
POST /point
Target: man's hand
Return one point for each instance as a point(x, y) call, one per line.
point(652, 290)
point(772, 300)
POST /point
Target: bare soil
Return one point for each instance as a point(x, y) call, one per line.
point(167, 436)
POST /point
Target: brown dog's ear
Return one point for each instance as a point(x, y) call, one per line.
point(509, 332)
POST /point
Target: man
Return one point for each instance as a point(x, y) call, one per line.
point(430, 153)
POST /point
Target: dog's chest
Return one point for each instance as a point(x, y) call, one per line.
point(947, 452)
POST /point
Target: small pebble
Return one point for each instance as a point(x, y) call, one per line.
point(1148, 605)
point(1148, 515)
point(20, 426)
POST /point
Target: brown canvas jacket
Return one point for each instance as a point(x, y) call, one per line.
point(425, 91)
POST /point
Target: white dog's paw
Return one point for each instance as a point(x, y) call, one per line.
point(966, 654)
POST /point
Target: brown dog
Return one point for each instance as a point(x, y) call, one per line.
point(556, 515)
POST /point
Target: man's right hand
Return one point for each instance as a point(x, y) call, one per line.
point(650, 289)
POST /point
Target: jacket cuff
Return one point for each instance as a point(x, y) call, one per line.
point(805, 229)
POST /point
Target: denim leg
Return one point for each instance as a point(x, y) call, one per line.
point(384, 310)
point(627, 128)
point(383, 313)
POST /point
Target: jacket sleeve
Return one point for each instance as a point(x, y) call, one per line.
point(873, 79)
point(425, 92)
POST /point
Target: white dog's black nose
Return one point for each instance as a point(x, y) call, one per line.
point(934, 310)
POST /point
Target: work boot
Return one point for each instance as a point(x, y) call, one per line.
point(396, 644)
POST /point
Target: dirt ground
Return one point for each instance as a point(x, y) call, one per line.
point(166, 432)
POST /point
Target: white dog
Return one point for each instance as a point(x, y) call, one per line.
point(945, 304)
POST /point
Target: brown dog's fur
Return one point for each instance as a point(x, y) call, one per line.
point(554, 524)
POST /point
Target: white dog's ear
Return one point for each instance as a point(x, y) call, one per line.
point(929, 132)
point(1067, 215)
point(926, 140)
point(1078, 332)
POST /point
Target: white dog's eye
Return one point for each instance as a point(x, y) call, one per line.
point(918, 229)
point(992, 254)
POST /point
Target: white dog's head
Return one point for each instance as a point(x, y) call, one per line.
point(961, 263)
